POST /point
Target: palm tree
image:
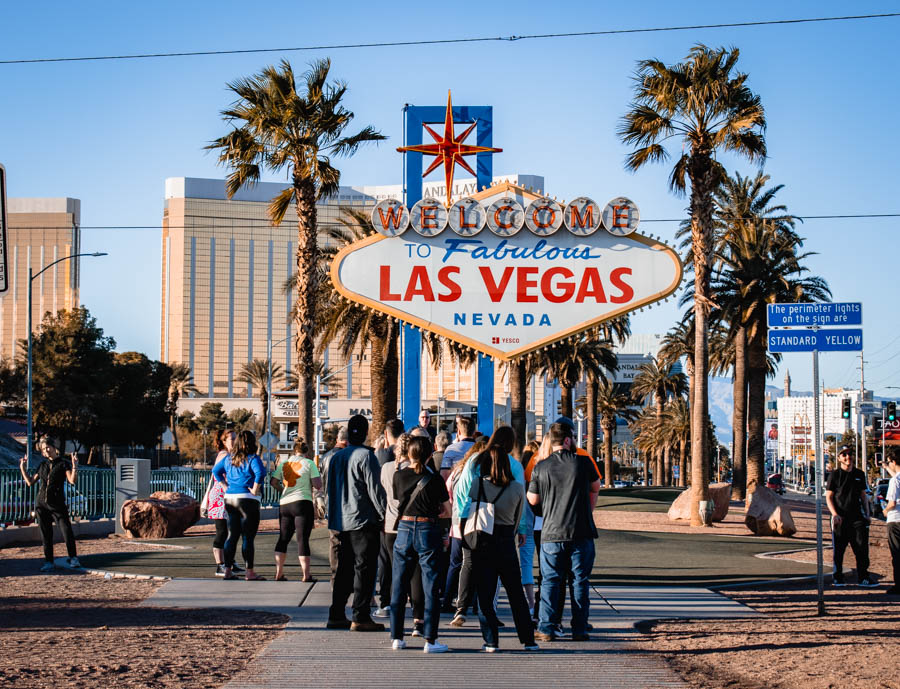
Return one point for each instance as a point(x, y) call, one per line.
point(614, 330)
point(356, 327)
point(704, 102)
point(276, 128)
point(611, 402)
point(658, 381)
point(180, 384)
point(761, 266)
point(676, 427)
point(256, 373)
point(645, 429)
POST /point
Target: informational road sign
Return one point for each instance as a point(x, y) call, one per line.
point(4, 283)
point(826, 340)
point(814, 315)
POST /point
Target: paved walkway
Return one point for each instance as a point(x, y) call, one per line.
point(305, 654)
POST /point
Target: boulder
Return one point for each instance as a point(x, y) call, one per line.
point(719, 493)
point(767, 514)
point(162, 515)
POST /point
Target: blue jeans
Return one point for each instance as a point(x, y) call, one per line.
point(416, 542)
point(526, 558)
point(557, 560)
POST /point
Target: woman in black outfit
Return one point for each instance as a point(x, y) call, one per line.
point(495, 555)
point(50, 505)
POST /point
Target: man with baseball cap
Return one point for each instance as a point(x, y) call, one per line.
point(848, 503)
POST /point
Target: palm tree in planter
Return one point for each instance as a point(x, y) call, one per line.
point(256, 374)
point(705, 102)
point(278, 128)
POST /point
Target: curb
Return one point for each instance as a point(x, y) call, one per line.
point(123, 575)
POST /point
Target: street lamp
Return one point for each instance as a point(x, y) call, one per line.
point(31, 277)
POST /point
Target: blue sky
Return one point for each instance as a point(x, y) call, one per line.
point(109, 133)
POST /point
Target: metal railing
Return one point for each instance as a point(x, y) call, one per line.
point(94, 494)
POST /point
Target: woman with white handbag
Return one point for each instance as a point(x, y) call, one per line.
point(490, 532)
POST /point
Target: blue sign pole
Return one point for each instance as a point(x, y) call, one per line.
point(416, 116)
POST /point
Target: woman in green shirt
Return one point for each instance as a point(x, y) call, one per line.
point(296, 477)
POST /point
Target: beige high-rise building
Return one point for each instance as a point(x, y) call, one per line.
point(41, 230)
point(224, 267)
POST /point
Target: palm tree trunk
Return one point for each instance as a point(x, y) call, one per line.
point(591, 413)
point(667, 465)
point(518, 387)
point(756, 413)
point(739, 417)
point(565, 400)
point(647, 459)
point(659, 472)
point(391, 371)
point(307, 289)
point(378, 385)
point(701, 176)
point(264, 402)
point(609, 429)
point(682, 464)
point(173, 422)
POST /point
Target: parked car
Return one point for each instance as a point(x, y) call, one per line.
point(775, 483)
point(878, 501)
point(17, 502)
point(620, 484)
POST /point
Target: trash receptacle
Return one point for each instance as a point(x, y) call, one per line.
point(132, 482)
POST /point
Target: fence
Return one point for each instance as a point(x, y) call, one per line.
point(94, 494)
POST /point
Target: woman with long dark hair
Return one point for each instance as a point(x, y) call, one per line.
point(213, 505)
point(423, 499)
point(50, 506)
point(243, 473)
point(296, 477)
point(495, 556)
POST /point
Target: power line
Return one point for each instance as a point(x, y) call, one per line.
point(446, 41)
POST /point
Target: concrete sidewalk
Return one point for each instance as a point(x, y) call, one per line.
point(306, 654)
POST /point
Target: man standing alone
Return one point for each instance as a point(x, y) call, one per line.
point(356, 505)
point(845, 494)
point(565, 485)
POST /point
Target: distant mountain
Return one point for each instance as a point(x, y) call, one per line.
point(721, 407)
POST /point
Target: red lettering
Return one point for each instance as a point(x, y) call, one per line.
point(385, 293)
point(547, 286)
point(500, 224)
point(523, 284)
point(591, 286)
point(582, 220)
point(627, 293)
point(446, 281)
point(429, 217)
point(419, 285)
point(495, 291)
point(393, 216)
point(620, 213)
point(537, 222)
point(462, 219)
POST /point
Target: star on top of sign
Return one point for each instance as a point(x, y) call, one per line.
point(449, 149)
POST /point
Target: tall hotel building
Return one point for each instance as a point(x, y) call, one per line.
point(40, 231)
point(223, 302)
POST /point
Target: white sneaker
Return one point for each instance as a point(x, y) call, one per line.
point(73, 563)
point(489, 649)
point(436, 647)
point(382, 612)
point(398, 644)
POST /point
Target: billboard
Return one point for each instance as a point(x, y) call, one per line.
point(891, 431)
point(496, 287)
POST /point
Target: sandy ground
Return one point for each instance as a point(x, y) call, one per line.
point(854, 646)
point(81, 631)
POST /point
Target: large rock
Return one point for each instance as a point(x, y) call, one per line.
point(768, 515)
point(162, 515)
point(719, 493)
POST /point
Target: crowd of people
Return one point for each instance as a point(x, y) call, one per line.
point(441, 523)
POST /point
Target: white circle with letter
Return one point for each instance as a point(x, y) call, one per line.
point(582, 216)
point(467, 217)
point(390, 217)
point(428, 217)
point(505, 216)
point(544, 216)
point(621, 217)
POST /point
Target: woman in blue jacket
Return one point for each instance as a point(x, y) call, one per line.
point(242, 473)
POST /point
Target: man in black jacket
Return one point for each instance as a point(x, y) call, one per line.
point(848, 503)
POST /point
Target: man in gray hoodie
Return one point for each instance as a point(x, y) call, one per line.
point(356, 508)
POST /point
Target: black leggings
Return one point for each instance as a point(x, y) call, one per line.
point(45, 516)
point(295, 516)
point(221, 533)
point(243, 523)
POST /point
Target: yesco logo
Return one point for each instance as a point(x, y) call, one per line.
point(505, 216)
